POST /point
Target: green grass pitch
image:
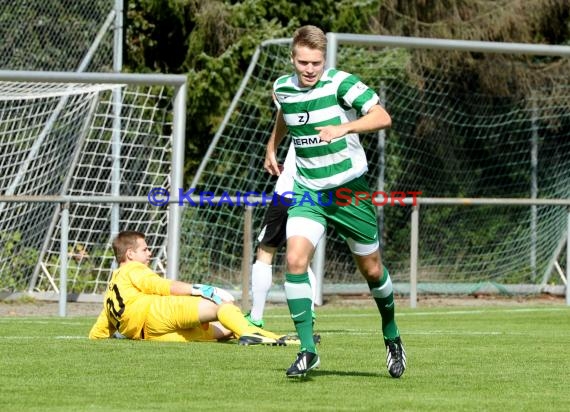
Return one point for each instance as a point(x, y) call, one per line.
point(459, 359)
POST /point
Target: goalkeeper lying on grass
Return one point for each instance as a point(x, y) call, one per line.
point(139, 304)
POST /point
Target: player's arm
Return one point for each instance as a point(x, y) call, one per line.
point(151, 283)
point(209, 292)
point(102, 329)
point(277, 134)
point(377, 118)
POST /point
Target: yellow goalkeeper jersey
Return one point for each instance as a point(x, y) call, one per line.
point(129, 295)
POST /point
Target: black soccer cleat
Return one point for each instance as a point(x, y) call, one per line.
point(293, 339)
point(304, 363)
point(395, 357)
point(257, 339)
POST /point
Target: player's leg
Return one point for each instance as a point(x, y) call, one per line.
point(271, 237)
point(182, 317)
point(380, 286)
point(206, 332)
point(303, 234)
point(261, 279)
point(294, 338)
point(313, 283)
point(179, 318)
point(232, 318)
point(381, 289)
point(357, 223)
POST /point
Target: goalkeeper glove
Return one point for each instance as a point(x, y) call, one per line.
point(212, 293)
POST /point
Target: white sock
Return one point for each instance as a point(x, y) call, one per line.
point(313, 282)
point(261, 278)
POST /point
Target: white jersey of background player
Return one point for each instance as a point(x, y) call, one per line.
point(271, 237)
point(286, 180)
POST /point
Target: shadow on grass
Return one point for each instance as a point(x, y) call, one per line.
point(355, 374)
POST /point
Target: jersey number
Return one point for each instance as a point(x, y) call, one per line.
point(112, 306)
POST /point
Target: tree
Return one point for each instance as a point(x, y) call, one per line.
point(213, 41)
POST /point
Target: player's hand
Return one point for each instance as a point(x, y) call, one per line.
point(212, 293)
point(328, 133)
point(271, 164)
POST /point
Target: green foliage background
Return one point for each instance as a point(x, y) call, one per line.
point(212, 41)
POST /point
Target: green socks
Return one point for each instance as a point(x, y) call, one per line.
point(383, 295)
point(299, 299)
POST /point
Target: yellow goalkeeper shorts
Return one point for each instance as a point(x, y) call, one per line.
point(175, 319)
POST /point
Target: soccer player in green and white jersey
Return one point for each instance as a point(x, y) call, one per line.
point(324, 110)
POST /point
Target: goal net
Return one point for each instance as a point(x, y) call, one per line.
point(465, 124)
point(68, 139)
point(56, 35)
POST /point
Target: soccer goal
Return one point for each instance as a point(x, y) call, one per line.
point(88, 147)
point(470, 120)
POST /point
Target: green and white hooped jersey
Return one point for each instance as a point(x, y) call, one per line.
point(338, 97)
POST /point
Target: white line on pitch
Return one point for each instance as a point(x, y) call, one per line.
point(41, 321)
point(453, 312)
point(42, 337)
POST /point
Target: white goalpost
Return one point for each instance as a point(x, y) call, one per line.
point(76, 148)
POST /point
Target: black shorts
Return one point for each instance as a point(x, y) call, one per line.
point(274, 229)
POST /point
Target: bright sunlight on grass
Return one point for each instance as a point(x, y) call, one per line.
point(466, 359)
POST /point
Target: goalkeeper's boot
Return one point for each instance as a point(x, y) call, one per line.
point(304, 363)
point(257, 339)
point(293, 339)
point(395, 357)
point(258, 323)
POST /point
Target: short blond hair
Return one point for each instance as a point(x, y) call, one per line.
point(311, 37)
point(124, 241)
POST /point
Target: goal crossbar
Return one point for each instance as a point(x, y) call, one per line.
point(174, 80)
